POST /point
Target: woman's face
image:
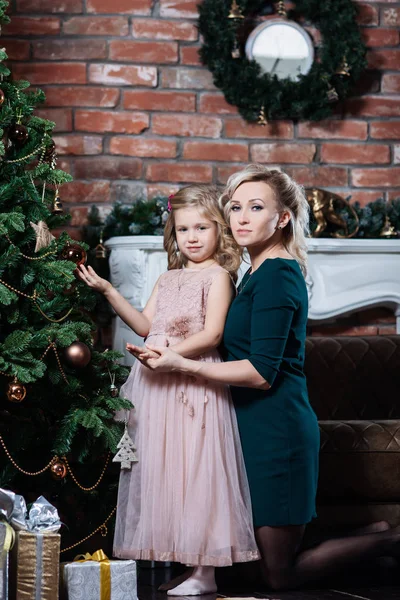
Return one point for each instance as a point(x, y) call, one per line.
point(254, 215)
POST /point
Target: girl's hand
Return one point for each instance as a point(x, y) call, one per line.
point(90, 277)
point(167, 360)
point(142, 353)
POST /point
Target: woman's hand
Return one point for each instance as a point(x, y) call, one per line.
point(165, 360)
point(90, 277)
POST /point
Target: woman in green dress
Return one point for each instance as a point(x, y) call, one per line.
point(264, 343)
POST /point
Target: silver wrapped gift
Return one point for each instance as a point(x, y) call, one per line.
point(86, 580)
point(6, 541)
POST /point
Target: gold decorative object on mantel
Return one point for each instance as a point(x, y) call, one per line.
point(324, 205)
point(235, 12)
point(388, 231)
point(281, 10)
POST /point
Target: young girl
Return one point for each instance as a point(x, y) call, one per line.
point(187, 498)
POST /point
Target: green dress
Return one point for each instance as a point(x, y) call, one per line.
point(266, 324)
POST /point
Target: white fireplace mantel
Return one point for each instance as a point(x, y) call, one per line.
point(344, 276)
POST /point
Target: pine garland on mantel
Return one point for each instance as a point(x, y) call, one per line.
point(262, 96)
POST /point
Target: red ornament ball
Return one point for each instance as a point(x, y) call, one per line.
point(77, 355)
point(18, 133)
point(2, 97)
point(74, 253)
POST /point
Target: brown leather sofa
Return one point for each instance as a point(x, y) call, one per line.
point(354, 387)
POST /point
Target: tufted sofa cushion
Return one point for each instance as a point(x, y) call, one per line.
point(354, 387)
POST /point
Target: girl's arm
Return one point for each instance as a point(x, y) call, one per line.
point(140, 322)
point(218, 302)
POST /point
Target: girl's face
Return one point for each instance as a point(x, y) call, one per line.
point(254, 215)
point(196, 236)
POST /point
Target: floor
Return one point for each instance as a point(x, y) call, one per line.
point(374, 582)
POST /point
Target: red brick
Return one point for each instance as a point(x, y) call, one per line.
point(376, 315)
point(390, 16)
point(367, 14)
point(73, 232)
point(179, 173)
point(32, 25)
point(78, 144)
point(127, 7)
point(161, 29)
point(373, 106)
point(144, 52)
point(393, 195)
point(283, 153)
point(64, 165)
point(69, 49)
point(390, 83)
point(369, 83)
point(18, 49)
point(216, 103)
point(40, 73)
point(216, 151)
point(61, 116)
point(330, 129)
point(108, 167)
point(332, 330)
point(383, 59)
point(354, 154)
point(387, 330)
point(238, 128)
point(189, 55)
point(83, 191)
point(385, 130)
point(159, 100)
point(106, 120)
point(143, 147)
point(50, 6)
point(96, 26)
point(81, 96)
point(187, 125)
point(183, 78)
point(79, 216)
point(223, 173)
point(319, 176)
point(364, 197)
point(380, 37)
point(179, 9)
point(123, 74)
point(381, 178)
point(161, 191)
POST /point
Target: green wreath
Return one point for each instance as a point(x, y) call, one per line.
point(261, 97)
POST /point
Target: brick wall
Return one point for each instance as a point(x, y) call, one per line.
point(136, 114)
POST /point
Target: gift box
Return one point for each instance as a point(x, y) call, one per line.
point(34, 569)
point(95, 577)
point(34, 559)
point(6, 542)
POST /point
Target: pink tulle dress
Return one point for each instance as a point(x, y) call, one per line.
point(187, 498)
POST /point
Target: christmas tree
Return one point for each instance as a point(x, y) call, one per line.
point(58, 394)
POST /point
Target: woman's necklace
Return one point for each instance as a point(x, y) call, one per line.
point(180, 283)
point(241, 286)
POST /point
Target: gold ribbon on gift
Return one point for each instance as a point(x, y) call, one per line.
point(9, 538)
point(105, 571)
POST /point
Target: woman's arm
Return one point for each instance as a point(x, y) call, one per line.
point(140, 322)
point(218, 302)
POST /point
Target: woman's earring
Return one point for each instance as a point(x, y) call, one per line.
point(279, 226)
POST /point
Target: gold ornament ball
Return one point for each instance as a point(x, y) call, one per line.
point(77, 355)
point(58, 470)
point(16, 391)
point(74, 253)
point(2, 97)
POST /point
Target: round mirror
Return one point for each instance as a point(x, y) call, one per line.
point(281, 48)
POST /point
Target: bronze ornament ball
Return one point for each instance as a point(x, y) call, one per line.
point(18, 133)
point(16, 391)
point(74, 253)
point(58, 469)
point(77, 355)
point(2, 97)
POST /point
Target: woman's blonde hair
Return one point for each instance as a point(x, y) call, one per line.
point(290, 197)
point(204, 198)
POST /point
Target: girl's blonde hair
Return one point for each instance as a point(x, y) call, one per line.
point(204, 198)
point(290, 197)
